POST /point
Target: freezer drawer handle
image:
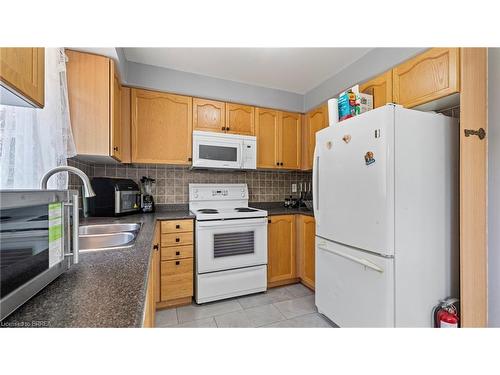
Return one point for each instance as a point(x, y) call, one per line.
point(361, 261)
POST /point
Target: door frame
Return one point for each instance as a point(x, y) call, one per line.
point(473, 188)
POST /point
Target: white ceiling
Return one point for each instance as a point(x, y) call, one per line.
point(291, 69)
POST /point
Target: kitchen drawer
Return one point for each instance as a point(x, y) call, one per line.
point(176, 279)
point(176, 252)
point(175, 226)
point(176, 239)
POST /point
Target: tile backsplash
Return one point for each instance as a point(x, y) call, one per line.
point(172, 181)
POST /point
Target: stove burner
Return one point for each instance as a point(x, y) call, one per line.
point(245, 209)
point(208, 211)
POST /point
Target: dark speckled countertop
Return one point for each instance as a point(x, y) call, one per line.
point(108, 288)
point(278, 208)
point(105, 289)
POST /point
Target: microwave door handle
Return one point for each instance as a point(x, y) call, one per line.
point(76, 223)
point(242, 163)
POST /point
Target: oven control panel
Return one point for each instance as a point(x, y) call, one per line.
point(217, 192)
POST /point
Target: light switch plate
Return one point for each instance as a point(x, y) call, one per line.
point(294, 188)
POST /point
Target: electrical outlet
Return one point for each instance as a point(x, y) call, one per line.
point(294, 188)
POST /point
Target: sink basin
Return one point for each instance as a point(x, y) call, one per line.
point(109, 228)
point(107, 236)
point(106, 241)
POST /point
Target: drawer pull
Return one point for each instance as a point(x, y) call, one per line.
point(155, 247)
point(177, 262)
point(177, 226)
point(177, 253)
point(177, 239)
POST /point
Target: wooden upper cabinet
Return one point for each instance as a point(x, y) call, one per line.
point(315, 120)
point(290, 140)
point(126, 151)
point(22, 72)
point(116, 113)
point(240, 119)
point(381, 89)
point(306, 231)
point(161, 127)
point(209, 115)
point(267, 132)
point(429, 76)
point(281, 249)
point(94, 93)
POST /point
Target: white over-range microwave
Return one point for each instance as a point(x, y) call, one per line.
point(224, 151)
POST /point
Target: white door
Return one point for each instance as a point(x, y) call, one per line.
point(353, 181)
point(230, 244)
point(354, 288)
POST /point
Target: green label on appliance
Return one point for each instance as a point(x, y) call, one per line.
point(55, 233)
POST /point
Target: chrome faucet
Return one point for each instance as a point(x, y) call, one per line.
point(87, 188)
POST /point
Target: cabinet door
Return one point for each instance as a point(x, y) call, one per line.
point(429, 76)
point(161, 127)
point(156, 263)
point(316, 120)
point(240, 119)
point(306, 229)
point(89, 102)
point(176, 279)
point(281, 249)
point(267, 131)
point(126, 156)
point(381, 89)
point(116, 113)
point(209, 115)
point(22, 70)
point(290, 140)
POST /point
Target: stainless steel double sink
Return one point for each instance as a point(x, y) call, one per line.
point(98, 237)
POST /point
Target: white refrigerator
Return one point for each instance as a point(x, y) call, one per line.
point(385, 187)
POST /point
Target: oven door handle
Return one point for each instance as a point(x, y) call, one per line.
point(232, 223)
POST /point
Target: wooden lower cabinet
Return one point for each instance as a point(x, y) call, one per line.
point(281, 266)
point(176, 263)
point(153, 288)
point(291, 250)
point(306, 234)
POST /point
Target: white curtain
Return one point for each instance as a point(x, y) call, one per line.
point(34, 140)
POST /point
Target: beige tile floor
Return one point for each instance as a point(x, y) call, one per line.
point(288, 306)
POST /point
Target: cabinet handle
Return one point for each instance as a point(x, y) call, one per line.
point(177, 262)
point(177, 226)
point(177, 253)
point(190, 159)
point(281, 163)
point(227, 128)
point(223, 128)
point(177, 239)
point(277, 163)
point(269, 221)
point(115, 148)
point(155, 247)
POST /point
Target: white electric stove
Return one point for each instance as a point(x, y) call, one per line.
point(231, 242)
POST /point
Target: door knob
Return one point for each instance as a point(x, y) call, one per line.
point(481, 133)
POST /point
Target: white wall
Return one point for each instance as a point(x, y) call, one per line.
point(175, 81)
point(494, 187)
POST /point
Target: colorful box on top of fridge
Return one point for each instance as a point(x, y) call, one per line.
point(353, 103)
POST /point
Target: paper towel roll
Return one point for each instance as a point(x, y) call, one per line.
point(333, 111)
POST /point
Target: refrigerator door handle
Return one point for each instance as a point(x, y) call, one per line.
point(315, 179)
point(361, 261)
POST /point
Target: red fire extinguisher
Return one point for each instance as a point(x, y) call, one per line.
point(446, 314)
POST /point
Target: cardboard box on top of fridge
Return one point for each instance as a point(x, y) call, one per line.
point(352, 103)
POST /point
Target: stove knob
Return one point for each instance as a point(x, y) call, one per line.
point(196, 195)
point(243, 195)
